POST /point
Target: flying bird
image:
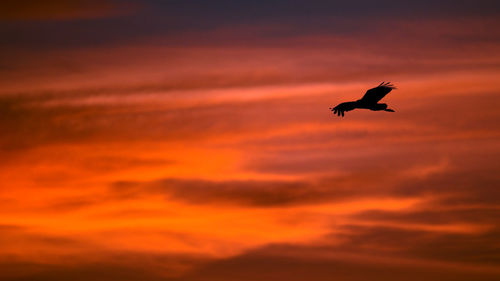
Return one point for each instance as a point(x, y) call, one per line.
point(368, 101)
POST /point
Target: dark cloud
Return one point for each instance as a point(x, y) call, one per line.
point(98, 271)
point(263, 193)
point(254, 193)
point(174, 20)
point(458, 187)
point(473, 248)
point(27, 126)
point(59, 9)
point(306, 9)
point(19, 235)
point(367, 253)
point(351, 253)
point(374, 253)
point(71, 204)
point(288, 262)
point(73, 257)
point(115, 266)
point(437, 213)
point(455, 186)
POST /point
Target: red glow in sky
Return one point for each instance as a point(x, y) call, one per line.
point(192, 141)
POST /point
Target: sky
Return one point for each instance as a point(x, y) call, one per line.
point(192, 140)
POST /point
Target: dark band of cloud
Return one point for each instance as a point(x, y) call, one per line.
point(61, 9)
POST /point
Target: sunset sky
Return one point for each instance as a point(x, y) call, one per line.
point(192, 140)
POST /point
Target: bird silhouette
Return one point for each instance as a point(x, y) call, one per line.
point(368, 101)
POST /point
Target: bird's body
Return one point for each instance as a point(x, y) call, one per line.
point(368, 101)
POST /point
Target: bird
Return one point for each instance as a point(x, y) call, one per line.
point(368, 101)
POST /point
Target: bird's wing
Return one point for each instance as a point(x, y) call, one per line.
point(374, 95)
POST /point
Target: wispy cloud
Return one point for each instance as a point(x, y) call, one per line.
point(193, 141)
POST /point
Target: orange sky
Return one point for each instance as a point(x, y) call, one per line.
point(205, 154)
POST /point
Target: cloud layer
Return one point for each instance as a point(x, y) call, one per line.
point(174, 140)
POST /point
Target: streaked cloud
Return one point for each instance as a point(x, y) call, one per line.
point(193, 141)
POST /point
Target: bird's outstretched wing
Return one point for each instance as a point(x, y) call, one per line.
point(374, 95)
point(345, 106)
